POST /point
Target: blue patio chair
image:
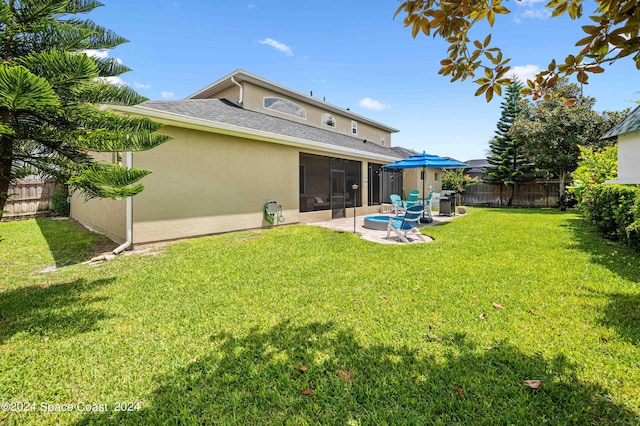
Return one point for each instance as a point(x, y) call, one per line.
point(396, 200)
point(427, 206)
point(402, 226)
point(412, 199)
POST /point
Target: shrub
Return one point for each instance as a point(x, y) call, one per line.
point(456, 180)
point(614, 210)
point(594, 167)
point(60, 203)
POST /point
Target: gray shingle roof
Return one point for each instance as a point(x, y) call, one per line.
point(631, 123)
point(477, 166)
point(223, 111)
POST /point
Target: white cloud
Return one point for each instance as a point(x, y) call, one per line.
point(525, 72)
point(167, 95)
point(113, 80)
point(369, 103)
point(141, 85)
point(97, 53)
point(536, 13)
point(531, 9)
point(277, 45)
point(101, 54)
point(529, 3)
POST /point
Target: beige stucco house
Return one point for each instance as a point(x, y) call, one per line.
point(241, 142)
point(628, 134)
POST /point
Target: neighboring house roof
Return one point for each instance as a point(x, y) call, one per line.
point(631, 123)
point(477, 165)
point(241, 75)
point(220, 111)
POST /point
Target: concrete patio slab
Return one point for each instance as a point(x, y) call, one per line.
point(346, 225)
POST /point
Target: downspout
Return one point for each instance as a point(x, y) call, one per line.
point(129, 213)
point(241, 96)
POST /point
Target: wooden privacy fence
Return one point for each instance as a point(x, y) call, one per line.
point(539, 193)
point(29, 198)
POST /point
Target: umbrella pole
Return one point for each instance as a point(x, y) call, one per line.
point(424, 178)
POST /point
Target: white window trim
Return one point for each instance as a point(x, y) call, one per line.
point(354, 127)
point(264, 101)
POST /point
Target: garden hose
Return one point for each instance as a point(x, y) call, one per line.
point(272, 215)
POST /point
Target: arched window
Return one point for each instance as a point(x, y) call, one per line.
point(285, 106)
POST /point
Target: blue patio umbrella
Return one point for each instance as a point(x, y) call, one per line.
point(425, 161)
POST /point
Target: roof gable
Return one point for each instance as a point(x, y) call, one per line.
point(241, 75)
point(631, 123)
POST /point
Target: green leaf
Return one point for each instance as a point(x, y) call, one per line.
point(489, 94)
point(487, 40)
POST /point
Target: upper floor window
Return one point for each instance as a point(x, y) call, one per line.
point(285, 106)
point(382, 142)
point(354, 127)
point(328, 120)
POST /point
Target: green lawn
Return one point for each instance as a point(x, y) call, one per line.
point(213, 330)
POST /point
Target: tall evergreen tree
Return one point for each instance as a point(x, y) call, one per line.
point(553, 129)
point(508, 164)
point(50, 97)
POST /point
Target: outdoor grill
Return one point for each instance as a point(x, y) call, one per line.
point(447, 203)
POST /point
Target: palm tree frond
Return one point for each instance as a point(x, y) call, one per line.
point(6, 130)
point(21, 170)
point(82, 6)
point(28, 11)
point(110, 141)
point(108, 181)
point(63, 70)
point(88, 116)
point(108, 67)
point(20, 89)
point(100, 92)
point(98, 37)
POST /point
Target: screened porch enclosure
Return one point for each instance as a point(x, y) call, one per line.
point(325, 184)
point(382, 183)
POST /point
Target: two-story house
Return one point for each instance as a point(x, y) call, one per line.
point(241, 142)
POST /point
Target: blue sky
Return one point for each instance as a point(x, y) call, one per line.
point(352, 53)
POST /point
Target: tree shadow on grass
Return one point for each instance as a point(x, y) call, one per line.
point(70, 243)
point(55, 311)
point(622, 313)
point(617, 257)
point(256, 379)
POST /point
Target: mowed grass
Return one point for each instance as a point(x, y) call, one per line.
point(214, 330)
